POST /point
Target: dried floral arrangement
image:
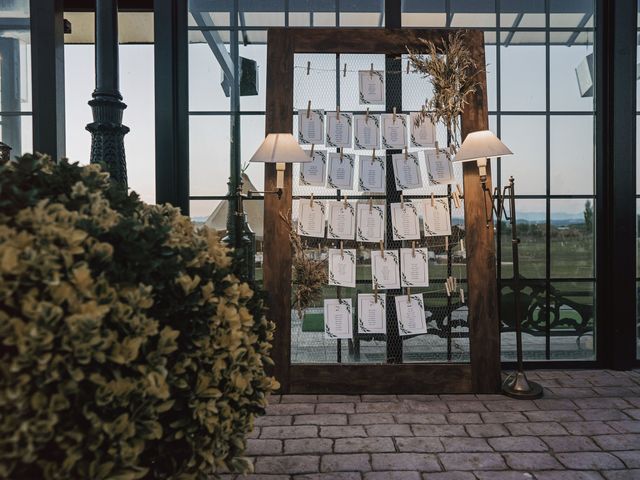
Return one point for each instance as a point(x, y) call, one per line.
point(454, 74)
point(309, 275)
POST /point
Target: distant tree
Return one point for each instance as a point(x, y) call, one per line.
point(588, 216)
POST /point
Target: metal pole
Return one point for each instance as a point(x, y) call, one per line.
point(107, 131)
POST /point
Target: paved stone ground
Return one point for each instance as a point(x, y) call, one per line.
point(586, 427)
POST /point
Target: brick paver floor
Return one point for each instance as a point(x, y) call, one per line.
point(586, 427)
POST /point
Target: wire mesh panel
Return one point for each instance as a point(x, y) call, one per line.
point(331, 80)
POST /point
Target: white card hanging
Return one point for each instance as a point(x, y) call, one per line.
point(311, 219)
point(342, 267)
point(371, 87)
point(439, 168)
point(314, 173)
point(414, 267)
point(372, 313)
point(373, 177)
point(338, 318)
point(385, 269)
point(340, 171)
point(311, 128)
point(406, 170)
point(339, 130)
point(370, 225)
point(341, 220)
point(437, 221)
point(394, 130)
point(411, 315)
point(366, 132)
point(405, 221)
point(423, 131)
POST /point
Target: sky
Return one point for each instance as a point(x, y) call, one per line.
point(523, 88)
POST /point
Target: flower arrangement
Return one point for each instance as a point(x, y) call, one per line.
point(128, 347)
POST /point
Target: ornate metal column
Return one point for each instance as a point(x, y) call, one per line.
point(107, 131)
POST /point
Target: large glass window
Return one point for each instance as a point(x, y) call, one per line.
point(539, 58)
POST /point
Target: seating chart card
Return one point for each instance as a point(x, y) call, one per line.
point(405, 221)
point(411, 316)
point(394, 132)
point(339, 130)
point(342, 267)
point(338, 318)
point(371, 86)
point(414, 267)
point(366, 132)
point(370, 222)
point(372, 313)
point(436, 218)
point(423, 134)
point(313, 173)
point(311, 219)
point(311, 130)
point(373, 174)
point(341, 223)
point(439, 168)
point(340, 172)
point(385, 269)
point(406, 170)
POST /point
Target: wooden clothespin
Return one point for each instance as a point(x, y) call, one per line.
point(341, 249)
point(375, 292)
point(338, 113)
point(446, 287)
point(308, 108)
point(341, 154)
point(339, 293)
point(423, 110)
point(433, 200)
point(373, 155)
point(382, 249)
point(308, 67)
point(394, 114)
point(346, 202)
point(312, 147)
point(344, 70)
point(446, 244)
point(320, 248)
point(366, 116)
point(408, 66)
point(371, 71)
point(408, 294)
point(456, 199)
point(413, 249)
point(459, 189)
point(311, 200)
point(370, 204)
point(461, 295)
point(461, 245)
point(437, 148)
point(406, 152)
point(402, 200)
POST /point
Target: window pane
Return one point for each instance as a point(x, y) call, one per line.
point(210, 13)
point(531, 230)
point(572, 155)
point(79, 83)
point(420, 13)
point(572, 238)
point(522, 74)
point(209, 152)
point(474, 13)
point(519, 14)
point(492, 74)
point(568, 64)
point(16, 131)
point(571, 13)
point(251, 136)
point(201, 213)
point(15, 70)
point(572, 312)
point(361, 13)
point(526, 138)
point(206, 92)
point(312, 13)
point(261, 14)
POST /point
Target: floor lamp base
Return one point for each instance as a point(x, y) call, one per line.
point(517, 386)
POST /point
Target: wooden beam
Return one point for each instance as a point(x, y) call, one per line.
point(277, 249)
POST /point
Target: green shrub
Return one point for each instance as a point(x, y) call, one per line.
point(129, 349)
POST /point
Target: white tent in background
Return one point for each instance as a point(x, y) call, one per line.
point(253, 208)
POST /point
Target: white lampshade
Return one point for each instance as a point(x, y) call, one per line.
point(480, 145)
point(280, 148)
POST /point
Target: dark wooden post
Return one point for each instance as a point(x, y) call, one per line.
point(107, 131)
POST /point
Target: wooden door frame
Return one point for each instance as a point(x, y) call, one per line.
point(482, 374)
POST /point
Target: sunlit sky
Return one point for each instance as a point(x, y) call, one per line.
point(523, 89)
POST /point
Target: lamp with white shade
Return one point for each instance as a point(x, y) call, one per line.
point(280, 148)
point(481, 146)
